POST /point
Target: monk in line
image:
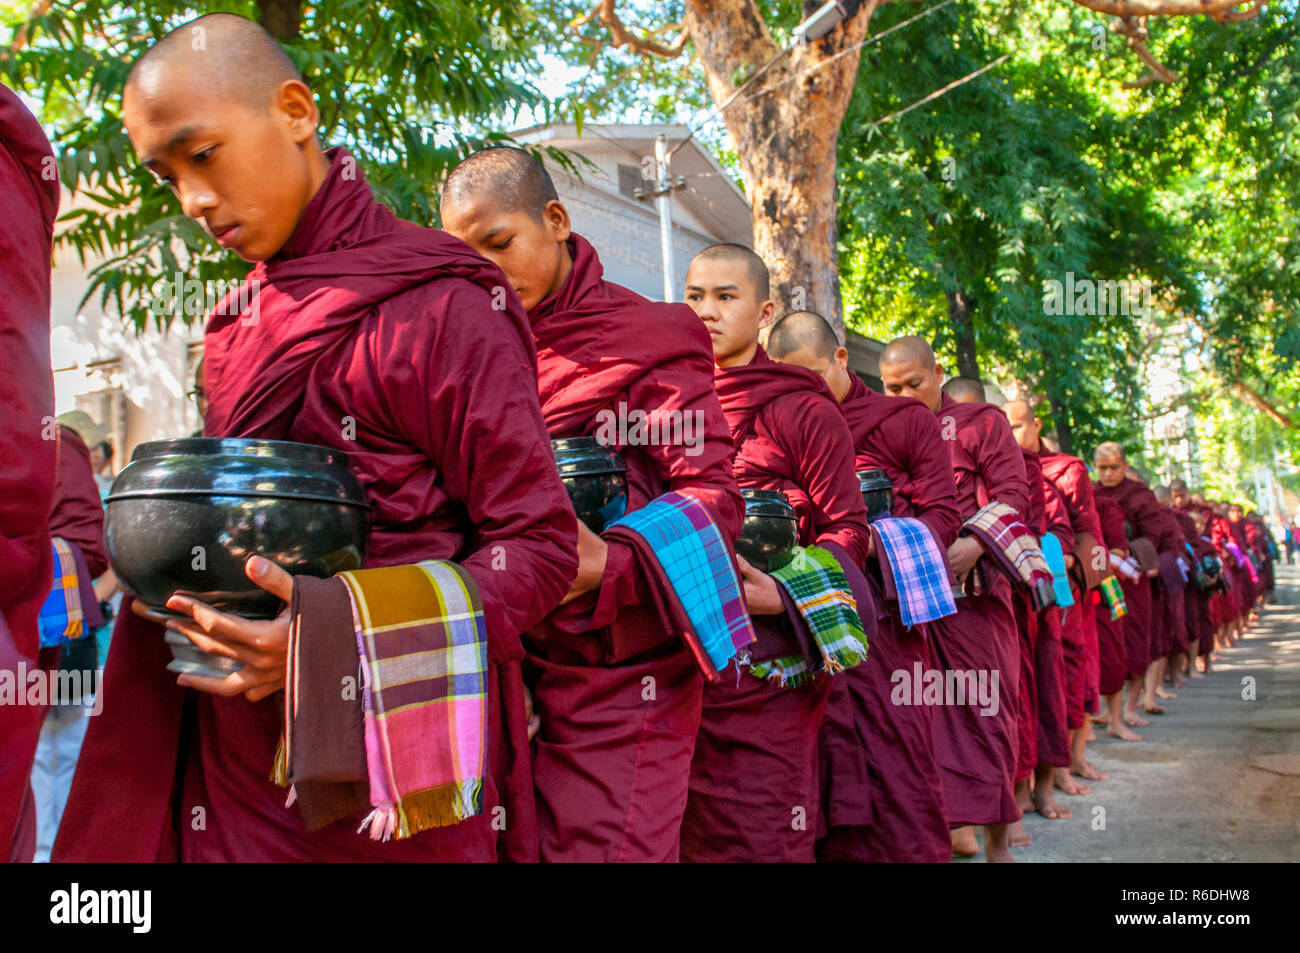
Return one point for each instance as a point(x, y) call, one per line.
point(29, 201)
point(884, 796)
point(1112, 633)
point(754, 788)
point(976, 750)
point(1195, 602)
point(611, 764)
point(378, 339)
point(1147, 524)
point(1088, 564)
point(1042, 670)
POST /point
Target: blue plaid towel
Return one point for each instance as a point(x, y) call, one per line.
point(61, 615)
point(1055, 556)
point(918, 569)
point(697, 565)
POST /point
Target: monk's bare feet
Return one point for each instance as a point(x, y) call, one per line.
point(1152, 710)
point(1123, 734)
point(1065, 783)
point(1165, 693)
point(995, 845)
point(1083, 769)
point(1089, 733)
point(1024, 797)
point(1133, 720)
point(1045, 804)
point(1200, 674)
point(1179, 681)
point(964, 843)
point(1016, 836)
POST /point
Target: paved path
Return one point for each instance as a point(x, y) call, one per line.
point(1216, 779)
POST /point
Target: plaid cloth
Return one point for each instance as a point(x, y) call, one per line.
point(1055, 556)
point(422, 643)
point(1013, 549)
point(1113, 593)
point(697, 564)
point(61, 615)
point(821, 592)
point(917, 567)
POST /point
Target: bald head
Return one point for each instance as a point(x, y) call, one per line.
point(802, 330)
point(1163, 494)
point(965, 390)
point(907, 348)
point(1111, 465)
point(515, 181)
point(908, 369)
point(1178, 494)
point(754, 267)
point(1025, 425)
point(227, 54)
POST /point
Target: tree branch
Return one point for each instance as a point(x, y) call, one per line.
point(1135, 28)
point(605, 12)
point(1165, 8)
point(1252, 398)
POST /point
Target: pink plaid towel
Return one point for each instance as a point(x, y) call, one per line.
point(1013, 549)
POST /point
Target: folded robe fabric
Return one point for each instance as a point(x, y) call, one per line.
point(1013, 549)
point(422, 644)
point(694, 561)
point(61, 616)
point(1171, 574)
point(1091, 569)
point(821, 592)
point(1144, 551)
point(1055, 556)
point(911, 559)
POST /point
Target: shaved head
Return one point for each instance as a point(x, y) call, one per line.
point(965, 390)
point(1176, 486)
point(1025, 425)
point(1163, 493)
point(909, 347)
point(1109, 450)
point(1110, 463)
point(515, 180)
point(228, 54)
point(799, 330)
point(755, 268)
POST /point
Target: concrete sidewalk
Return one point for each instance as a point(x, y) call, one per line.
point(1216, 779)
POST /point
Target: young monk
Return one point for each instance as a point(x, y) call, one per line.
point(884, 798)
point(976, 747)
point(613, 759)
point(370, 336)
point(1112, 634)
point(1199, 619)
point(754, 791)
point(29, 201)
point(1089, 564)
point(1146, 521)
point(1043, 732)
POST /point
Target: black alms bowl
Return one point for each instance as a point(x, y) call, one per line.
point(186, 514)
point(596, 478)
point(877, 492)
point(770, 531)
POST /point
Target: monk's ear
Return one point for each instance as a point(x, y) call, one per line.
point(556, 216)
point(766, 312)
point(295, 103)
point(842, 358)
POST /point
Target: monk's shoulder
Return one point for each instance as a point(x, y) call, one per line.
point(638, 324)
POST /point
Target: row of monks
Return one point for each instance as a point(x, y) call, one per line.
point(607, 739)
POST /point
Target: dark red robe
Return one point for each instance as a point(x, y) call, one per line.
point(754, 787)
point(976, 752)
point(378, 338)
point(612, 761)
point(29, 201)
point(1200, 625)
point(1112, 637)
point(1058, 638)
point(882, 795)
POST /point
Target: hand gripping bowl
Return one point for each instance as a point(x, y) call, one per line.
point(185, 515)
point(770, 531)
point(596, 478)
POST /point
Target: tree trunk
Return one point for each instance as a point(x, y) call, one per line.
point(1064, 435)
point(962, 323)
point(280, 18)
point(785, 139)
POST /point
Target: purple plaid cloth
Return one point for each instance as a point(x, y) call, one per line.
point(1013, 549)
point(909, 554)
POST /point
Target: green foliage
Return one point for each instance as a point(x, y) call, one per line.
point(409, 87)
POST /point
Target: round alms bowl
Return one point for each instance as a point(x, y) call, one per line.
point(185, 515)
point(770, 531)
point(877, 493)
point(596, 478)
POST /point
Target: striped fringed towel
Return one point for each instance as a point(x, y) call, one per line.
point(1055, 556)
point(917, 567)
point(422, 642)
point(61, 614)
point(821, 592)
point(1113, 593)
point(1013, 549)
point(697, 565)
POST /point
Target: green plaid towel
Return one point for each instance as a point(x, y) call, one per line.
point(817, 584)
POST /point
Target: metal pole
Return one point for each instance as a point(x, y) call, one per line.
point(664, 201)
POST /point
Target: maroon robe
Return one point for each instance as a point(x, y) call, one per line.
point(371, 337)
point(29, 201)
point(882, 796)
point(1058, 637)
point(612, 761)
point(1196, 604)
point(1144, 626)
point(1035, 639)
point(1069, 475)
point(977, 753)
point(1112, 637)
point(754, 788)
